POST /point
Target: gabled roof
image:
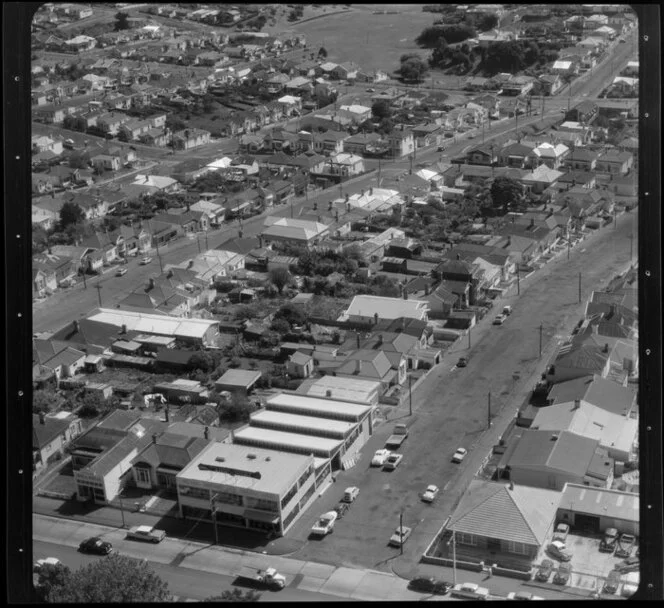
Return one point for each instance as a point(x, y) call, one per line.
point(597, 391)
point(171, 450)
point(43, 434)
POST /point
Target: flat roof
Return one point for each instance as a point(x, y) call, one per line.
point(303, 422)
point(317, 445)
point(600, 501)
point(151, 323)
point(314, 404)
point(351, 389)
point(239, 377)
point(239, 465)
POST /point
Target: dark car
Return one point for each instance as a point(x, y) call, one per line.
point(428, 584)
point(95, 545)
point(608, 543)
point(562, 574)
point(544, 571)
point(341, 509)
point(462, 362)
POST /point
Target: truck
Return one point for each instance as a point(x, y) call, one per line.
point(399, 434)
point(267, 577)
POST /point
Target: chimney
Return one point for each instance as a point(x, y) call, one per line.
point(347, 197)
point(167, 413)
point(511, 485)
point(380, 339)
point(358, 366)
point(169, 274)
point(458, 256)
point(358, 340)
point(154, 438)
point(206, 432)
point(123, 329)
point(329, 206)
point(577, 404)
point(375, 318)
point(42, 420)
point(370, 190)
point(328, 393)
point(532, 222)
point(315, 206)
point(76, 326)
point(606, 348)
point(151, 283)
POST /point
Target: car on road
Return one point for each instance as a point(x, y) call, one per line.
point(563, 574)
point(608, 543)
point(625, 545)
point(430, 493)
point(324, 524)
point(95, 545)
point(612, 582)
point(561, 532)
point(428, 584)
point(393, 461)
point(380, 457)
point(500, 319)
point(371, 90)
point(544, 571)
point(558, 550)
point(146, 260)
point(400, 536)
point(148, 534)
point(522, 595)
point(470, 591)
point(621, 40)
point(462, 362)
point(350, 494)
point(120, 271)
point(472, 135)
point(341, 509)
point(459, 455)
point(47, 561)
point(440, 149)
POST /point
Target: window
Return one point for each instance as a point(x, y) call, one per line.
point(514, 547)
point(466, 539)
point(142, 475)
point(289, 495)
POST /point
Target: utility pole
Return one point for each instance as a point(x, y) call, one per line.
point(469, 329)
point(198, 242)
point(122, 509)
point(85, 285)
point(379, 167)
point(410, 395)
point(213, 510)
point(568, 246)
point(98, 288)
point(401, 532)
point(579, 288)
point(454, 558)
point(518, 283)
point(489, 410)
point(540, 340)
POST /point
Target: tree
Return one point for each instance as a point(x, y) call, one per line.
point(44, 401)
point(235, 595)
point(413, 67)
point(292, 314)
point(121, 21)
point(279, 277)
point(70, 215)
point(487, 22)
point(237, 410)
point(381, 109)
point(51, 577)
point(115, 578)
point(506, 192)
point(322, 53)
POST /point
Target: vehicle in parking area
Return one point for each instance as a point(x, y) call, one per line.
point(499, 320)
point(350, 494)
point(400, 536)
point(120, 271)
point(470, 591)
point(459, 455)
point(146, 260)
point(507, 310)
point(462, 362)
point(380, 457)
point(522, 595)
point(544, 571)
point(612, 582)
point(558, 550)
point(430, 493)
point(630, 584)
point(95, 545)
point(269, 577)
point(608, 543)
point(148, 534)
point(393, 461)
point(625, 545)
point(561, 532)
point(399, 434)
point(563, 574)
point(428, 584)
point(341, 509)
point(325, 524)
point(631, 564)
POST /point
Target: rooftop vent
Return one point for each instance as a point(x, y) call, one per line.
point(220, 459)
point(251, 456)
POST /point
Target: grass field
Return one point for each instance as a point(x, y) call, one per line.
point(371, 41)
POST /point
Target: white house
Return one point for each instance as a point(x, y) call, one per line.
point(374, 308)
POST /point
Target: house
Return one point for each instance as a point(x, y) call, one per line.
point(516, 155)
point(374, 365)
point(356, 112)
point(615, 162)
point(426, 134)
point(344, 71)
point(353, 390)
point(401, 143)
point(344, 165)
point(190, 138)
point(582, 159)
point(290, 105)
point(111, 122)
point(239, 381)
point(517, 85)
point(583, 112)
point(574, 361)
point(552, 155)
point(51, 434)
point(550, 84)
point(540, 178)
point(485, 154)
point(578, 178)
point(597, 391)
point(300, 365)
point(565, 67)
point(295, 231)
point(371, 309)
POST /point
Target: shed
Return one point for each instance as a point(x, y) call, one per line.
point(238, 381)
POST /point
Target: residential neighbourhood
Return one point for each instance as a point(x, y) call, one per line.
point(261, 270)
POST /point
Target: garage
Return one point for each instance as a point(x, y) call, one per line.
point(589, 524)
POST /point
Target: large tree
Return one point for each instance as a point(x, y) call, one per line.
point(115, 578)
point(413, 67)
point(506, 192)
point(279, 277)
point(70, 215)
point(235, 595)
point(381, 109)
point(121, 21)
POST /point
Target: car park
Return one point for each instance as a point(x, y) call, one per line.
point(544, 571)
point(558, 550)
point(462, 362)
point(522, 595)
point(563, 574)
point(95, 545)
point(608, 543)
point(561, 532)
point(400, 536)
point(612, 582)
point(393, 461)
point(380, 457)
point(428, 584)
point(459, 455)
point(430, 493)
point(148, 534)
point(350, 494)
point(499, 320)
point(120, 271)
point(341, 509)
point(625, 545)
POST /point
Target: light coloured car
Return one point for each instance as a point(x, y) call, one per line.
point(561, 532)
point(558, 550)
point(608, 543)
point(350, 494)
point(148, 534)
point(120, 271)
point(470, 591)
point(430, 493)
point(146, 260)
point(400, 536)
point(522, 595)
point(499, 320)
point(393, 461)
point(324, 524)
point(459, 455)
point(380, 457)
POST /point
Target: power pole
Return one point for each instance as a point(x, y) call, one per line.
point(489, 411)
point(540, 340)
point(579, 288)
point(469, 329)
point(98, 288)
point(518, 284)
point(198, 242)
point(410, 395)
point(401, 531)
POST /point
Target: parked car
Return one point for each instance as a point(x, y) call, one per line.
point(428, 584)
point(47, 561)
point(120, 271)
point(625, 545)
point(393, 461)
point(146, 260)
point(324, 524)
point(370, 90)
point(631, 564)
point(561, 532)
point(95, 545)
point(612, 582)
point(563, 574)
point(558, 550)
point(459, 455)
point(148, 534)
point(400, 536)
point(350, 494)
point(608, 543)
point(470, 591)
point(544, 571)
point(430, 493)
point(462, 362)
point(341, 509)
point(499, 320)
point(522, 595)
point(380, 457)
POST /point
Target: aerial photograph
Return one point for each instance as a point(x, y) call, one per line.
point(334, 302)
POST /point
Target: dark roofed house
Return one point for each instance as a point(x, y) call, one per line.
point(240, 381)
point(51, 435)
